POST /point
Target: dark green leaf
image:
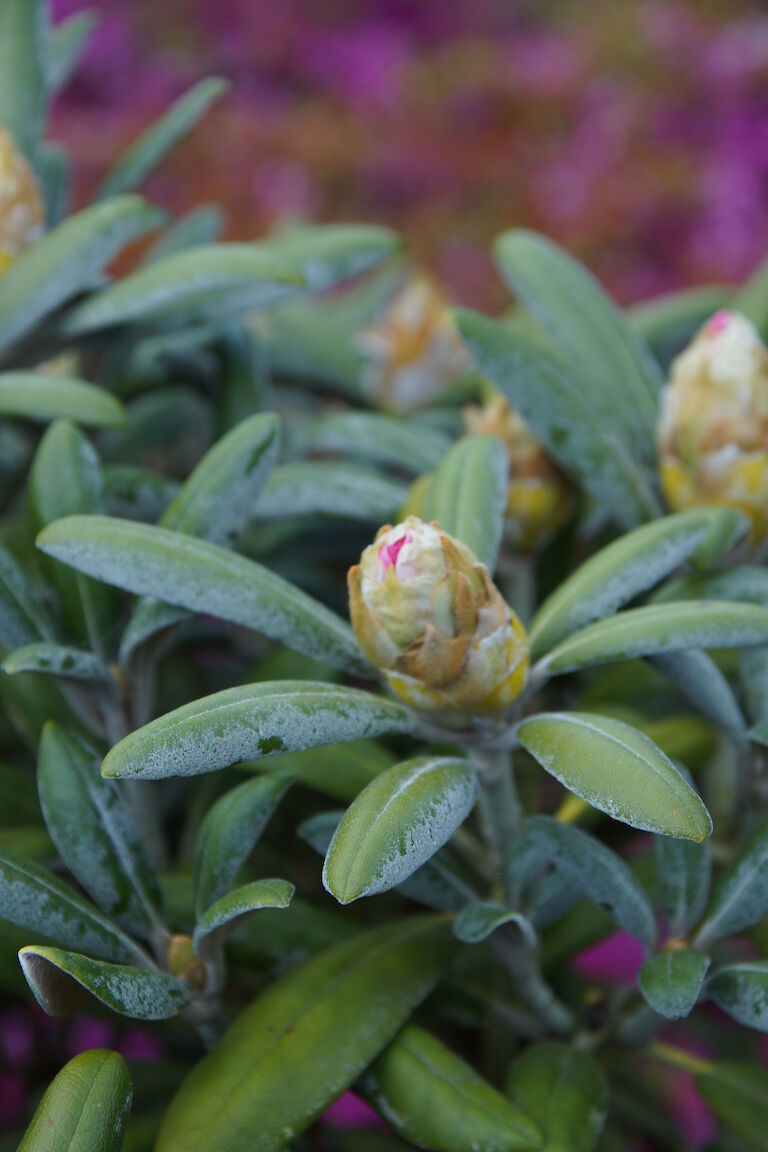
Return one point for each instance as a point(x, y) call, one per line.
point(741, 990)
point(329, 489)
point(253, 720)
point(618, 770)
point(478, 920)
point(338, 770)
point(683, 870)
point(350, 1001)
point(396, 824)
point(85, 1108)
point(224, 913)
point(436, 1100)
point(738, 1094)
point(671, 982)
point(373, 437)
point(66, 43)
point(564, 1091)
point(202, 577)
point(741, 897)
point(328, 253)
point(57, 660)
point(699, 679)
point(200, 226)
point(468, 495)
point(63, 982)
point(22, 72)
point(22, 619)
point(95, 832)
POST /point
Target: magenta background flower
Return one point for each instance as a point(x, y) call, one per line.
point(614, 960)
point(349, 1111)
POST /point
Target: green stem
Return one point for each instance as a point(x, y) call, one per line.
point(499, 805)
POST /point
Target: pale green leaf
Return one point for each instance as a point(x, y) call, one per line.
point(468, 495)
point(85, 1108)
point(35, 396)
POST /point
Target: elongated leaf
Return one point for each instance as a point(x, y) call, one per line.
point(551, 396)
point(337, 770)
point(34, 396)
point(617, 770)
point(478, 920)
point(373, 437)
point(136, 493)
point(57, 660)
point(229, 833)
point(616, 574)
point(224, 914)
point(683, 870)
point(436, 1100)
point(738, 1094)
point(95, 833)
point(699, 679)
point(741, 897)
point(55, 172)
point(746, 584)
point(741, 990)
point(591, 867)
point(397, 823)
point(67, 41)
point(22, 72)
point(752, 299)
point(668, 322)
point(202, 225)
point(586, 326)
point(33, 898)
point(334, 490)
point(85, 1108)
point(350, 1001)
point(201, 577)
point(468, 495)
point(672, 981)
point(66, 478)
point(253, 720)
point(66, 261)
point(22, 619)
point(138, 161)
point(564, 1091)
point(659, 629)
point(329, 253)
point(213, 280)
point(63, 981)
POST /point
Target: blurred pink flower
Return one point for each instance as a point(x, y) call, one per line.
point(614, 960)
point(349, 1111)
point(12, 1098)
point(86, 1032)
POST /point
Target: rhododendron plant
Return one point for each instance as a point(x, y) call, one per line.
point(384, 686)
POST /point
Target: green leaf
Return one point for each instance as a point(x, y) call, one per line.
point(478, 920)
point(22, 619)
point(564, 1091)
point(202, 225)
point(33, 898)
point(618, 770)
point(741, 990)
point(57, 660)
point(587, 327)
point(136, 493)
point(65, 478)
point(151, 148)
point(55, 172)
point(67, 42)
point(436, 1100)
point(698, 678)
point(34, 396)
point(374, 438)
point(683, 870)
point(95, 832)
point(592, 869)
point(329, 489)
point(738, 1094)
point(349, 1001)
point(253, 720)
point(468, 495)
point(668, 322)
point(617, 574)
point(552, 397)
point(741, 897)
point(338, 770)
point(63, 982)
point(85, 1108)
point(752, 299)
point(746, 584)
point(66, 261)
point(208, 282)
point(671, 982)
point(329, 253)
point(229, 834)
point(202, 577)
point(224, 913)
point(659, 629)
point(396, 824)
point(22, 72)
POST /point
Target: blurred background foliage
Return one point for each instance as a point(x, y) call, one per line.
point(631, 131)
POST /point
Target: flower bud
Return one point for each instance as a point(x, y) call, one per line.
point(713, 425)
point(539, 499)
point(428, 614)
point(414, 352)
point(21, 205)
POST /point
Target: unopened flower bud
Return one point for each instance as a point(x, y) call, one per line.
point(428, 614)
point(713, 426)
point(21, 204)
point(539, 499)
point(414, 352)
